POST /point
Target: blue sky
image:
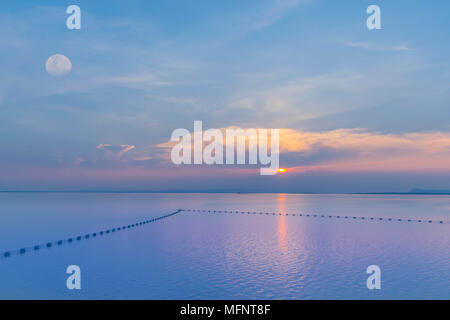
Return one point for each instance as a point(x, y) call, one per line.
point(141, 69)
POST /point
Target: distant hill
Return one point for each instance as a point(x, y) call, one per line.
point(429, 191)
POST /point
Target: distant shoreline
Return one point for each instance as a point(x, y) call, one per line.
point(223, 192)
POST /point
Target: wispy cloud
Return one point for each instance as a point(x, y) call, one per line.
point(142, 80)
point(142, 158)
point(115, 150)
point(274, 12)
point(305, 98)
point(374, 46)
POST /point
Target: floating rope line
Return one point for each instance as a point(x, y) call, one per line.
point(323, 216)
point(49, 245)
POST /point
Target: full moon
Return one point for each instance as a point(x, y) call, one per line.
point(58, 65)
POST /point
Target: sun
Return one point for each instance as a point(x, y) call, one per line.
point(282, 170)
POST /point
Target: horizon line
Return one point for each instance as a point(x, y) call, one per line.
point(412, 192)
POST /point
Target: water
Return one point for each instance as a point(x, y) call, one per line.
point(196, 255)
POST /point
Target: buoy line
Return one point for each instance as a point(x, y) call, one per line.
point(309, 215)
point(49, 245)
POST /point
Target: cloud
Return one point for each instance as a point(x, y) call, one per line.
point(115, 150)
point(276, 11)
point(136, 80)
point(306, 98)
point(369, 151)
point(375, 47)
point(358, 150)
point(142, 158)
point(77, 161)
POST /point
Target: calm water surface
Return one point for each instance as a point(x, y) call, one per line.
point(225, 256)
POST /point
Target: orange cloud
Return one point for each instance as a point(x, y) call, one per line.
point(371, 151)
point(364, 150)
point(142, 158)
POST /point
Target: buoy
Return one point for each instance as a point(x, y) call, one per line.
point(36, 247)
point(49, 245)
point(60, 242)
point(23, 250)
point(7, 254)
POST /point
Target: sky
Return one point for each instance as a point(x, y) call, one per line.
point(358, 110)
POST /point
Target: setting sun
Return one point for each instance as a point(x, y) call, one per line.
point(282, 170)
